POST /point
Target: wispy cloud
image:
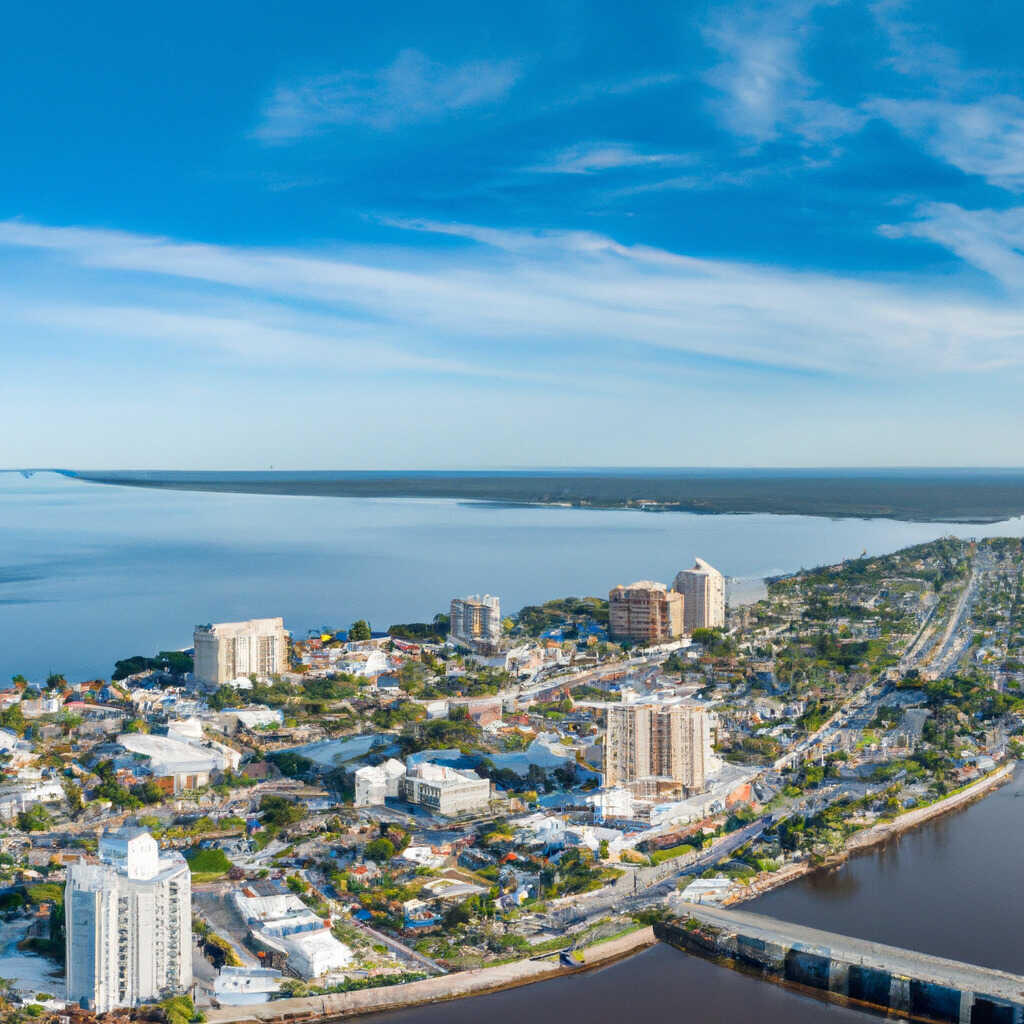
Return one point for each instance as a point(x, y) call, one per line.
point(985, 137)
point(412, 88)
point(595, 157)
point(763, 90)
point(991, 240)
point(573, 293)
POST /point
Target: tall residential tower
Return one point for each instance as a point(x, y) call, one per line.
point(129, 924)
point(227, 650)
point(703, 590)
point(670, 742)
point(476, 622)
point(645, 613)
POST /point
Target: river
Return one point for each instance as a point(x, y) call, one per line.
point(90, 573)
point(949, 888)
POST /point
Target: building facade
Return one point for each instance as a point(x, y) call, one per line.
point(375, 783)
point(645, 613)
point(658, 741)
point(129, 924)
point(703, 590)
point(446, 791)
point(476, 622)
point(226, 650)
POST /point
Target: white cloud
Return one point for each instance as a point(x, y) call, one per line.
point(763, 91)
point(595, 157)
point(991, 240)
point(561, 295)
point(412, 88)
point(985, 137)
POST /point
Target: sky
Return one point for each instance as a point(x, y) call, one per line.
point(387, 236)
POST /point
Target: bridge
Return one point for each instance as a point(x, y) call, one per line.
point(849, 970)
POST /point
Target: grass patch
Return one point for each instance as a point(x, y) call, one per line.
point(207, 865)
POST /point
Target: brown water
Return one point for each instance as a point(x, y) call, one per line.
point(951, 888)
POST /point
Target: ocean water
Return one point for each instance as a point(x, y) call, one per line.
point(90, 573)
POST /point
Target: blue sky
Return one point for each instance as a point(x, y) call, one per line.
point(405, 235)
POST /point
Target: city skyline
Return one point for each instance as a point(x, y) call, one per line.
point(798, 222)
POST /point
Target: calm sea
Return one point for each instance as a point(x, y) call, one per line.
point(90, 573)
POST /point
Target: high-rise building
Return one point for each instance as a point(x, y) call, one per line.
point(476, 622)
point(645, 613)
point(129, 924)
point(703, 590)
point(658, 741)
point(227, 650)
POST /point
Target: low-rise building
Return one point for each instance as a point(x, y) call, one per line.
point(375, 783)
point(445, 790)
point(280, 922)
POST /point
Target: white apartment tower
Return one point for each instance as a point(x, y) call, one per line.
point(129, 924)
point(227, 650)
point(476, 621)
point(658, 741)
point(703, 590)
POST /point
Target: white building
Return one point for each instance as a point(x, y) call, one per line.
point(281, 921)
point(187, 763)
point(703, 590)
point(129, 924)
point(374, 783)
point(447, 791)
point(253, 717)
point(476, 622)
point(15, 799)
point(226, 650)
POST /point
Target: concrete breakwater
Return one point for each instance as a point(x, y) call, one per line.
point(848, 970)
point(431, 990)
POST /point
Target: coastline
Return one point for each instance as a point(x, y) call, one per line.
point(482, 981)
point(982, 498)
point(877, 834)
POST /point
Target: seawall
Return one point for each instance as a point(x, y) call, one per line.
point(877, 834)
point(432, 990)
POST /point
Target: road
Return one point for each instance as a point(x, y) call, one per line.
point(589, 907)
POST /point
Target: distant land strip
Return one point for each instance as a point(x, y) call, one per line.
point(913, 495)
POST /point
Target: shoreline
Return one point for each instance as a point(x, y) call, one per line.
point(877, 834)
point(461, 985)
point(909, 498)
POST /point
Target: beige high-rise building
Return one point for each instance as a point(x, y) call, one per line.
point(645, 613)
point(227, 650)
point(703, 590)
point(476, 622)
point(648, 741)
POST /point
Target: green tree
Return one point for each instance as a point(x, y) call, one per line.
point(380, 850)
point(35, 819)
point(73, 793)
point(279, 811)
point(359, 630)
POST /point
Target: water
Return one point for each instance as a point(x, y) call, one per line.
point(31, 974)
point(90, 573)
point(948, 888)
